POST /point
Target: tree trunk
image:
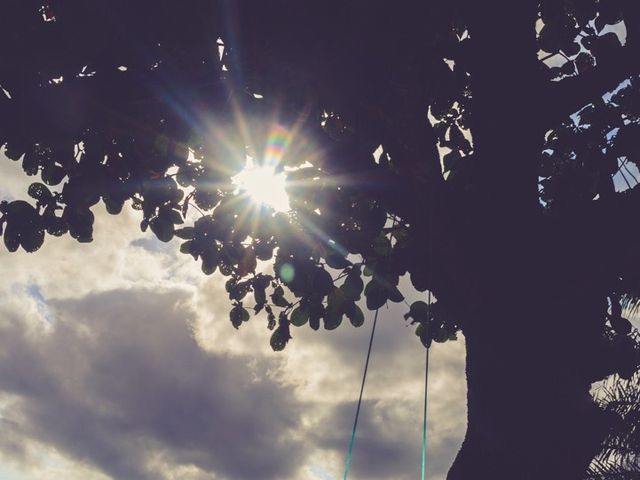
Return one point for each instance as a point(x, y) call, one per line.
point(530, 415)
point(532, 298)
point(534, 346)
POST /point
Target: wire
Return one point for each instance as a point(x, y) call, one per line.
point(424, 413)
point(424, 416)
point(364, 378)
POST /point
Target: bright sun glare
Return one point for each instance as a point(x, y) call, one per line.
point(263, 185)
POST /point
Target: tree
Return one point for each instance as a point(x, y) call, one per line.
point(465, 143)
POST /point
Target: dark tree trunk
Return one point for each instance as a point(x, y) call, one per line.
point(530, 415)
point(534, 306)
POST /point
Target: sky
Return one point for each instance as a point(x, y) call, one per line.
point(118, 361)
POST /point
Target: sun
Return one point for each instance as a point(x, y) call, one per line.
point(263, 185)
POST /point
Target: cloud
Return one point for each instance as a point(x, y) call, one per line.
point(119, 380)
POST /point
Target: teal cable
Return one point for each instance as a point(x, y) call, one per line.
point(364, 378)
point(424, 417)
point(424, 413)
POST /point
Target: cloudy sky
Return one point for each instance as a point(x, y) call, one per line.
point(118, 361)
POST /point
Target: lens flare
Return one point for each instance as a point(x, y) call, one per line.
point(260, 181)
point(277, 144)
point(263, 185)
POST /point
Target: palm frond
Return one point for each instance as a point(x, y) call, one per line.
point(619, 458)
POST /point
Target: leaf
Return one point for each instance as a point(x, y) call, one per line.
point(394, 294)
point(239, 291)
point(419, 311)
point(337, 261)
point(332, 319)
point(441, 335)
point(278, 297)
point(259, 295)
point(584, 62)
point(11, 237)
point(185, 233)
point(248, 263)
point(175, 217)
point(186, 247)
point(30, 161)
point(336, 300)
point(40, 192)
point(621, 325)
point(322, 282)
point(457, 140)
point(264, 251)
point(206, 199)
point(55, 226)
point(31, 238)
point(238, 315)
point(451, 160)
point(53, 174)
point(421, 332)
point(209, 259)
point(280, 337)
point(353, 285)
point(355, 315)
point(571, 48)
point(162, 227)
point(299, 316)
point(382, 245)
point(376, 294)
point(80, 221)
point(114, 205)
point(316, 313)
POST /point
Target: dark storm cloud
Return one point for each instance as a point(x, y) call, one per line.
point(119, 382)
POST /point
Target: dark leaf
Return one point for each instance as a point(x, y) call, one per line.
point(238, 315)
point(315, 314)
point(186, 247)
point(394, 294)
point(185, 233)
point(40, 192)
point(209, 259)
point(621, 325)
point(353, 285)
point(355, 315)
point(419, 311)
point(332, 319)
point(32, 238)
point(280, 337)
point(337, 261)
point(278, 297)
point(114, 205)
point(162, 227)
point(53, 174)
point(299, 316)
point(11, 237)
point(376, 294)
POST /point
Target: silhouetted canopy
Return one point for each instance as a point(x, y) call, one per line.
point(489, 150)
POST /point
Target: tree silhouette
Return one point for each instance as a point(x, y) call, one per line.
point(474, 146)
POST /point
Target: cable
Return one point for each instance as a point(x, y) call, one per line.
point(424, 417)
point(424, 413)
point(364, 378)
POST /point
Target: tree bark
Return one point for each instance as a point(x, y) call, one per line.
point(534, 308)
point(530, 415)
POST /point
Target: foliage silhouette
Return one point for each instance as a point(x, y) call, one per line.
point(474, 146)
